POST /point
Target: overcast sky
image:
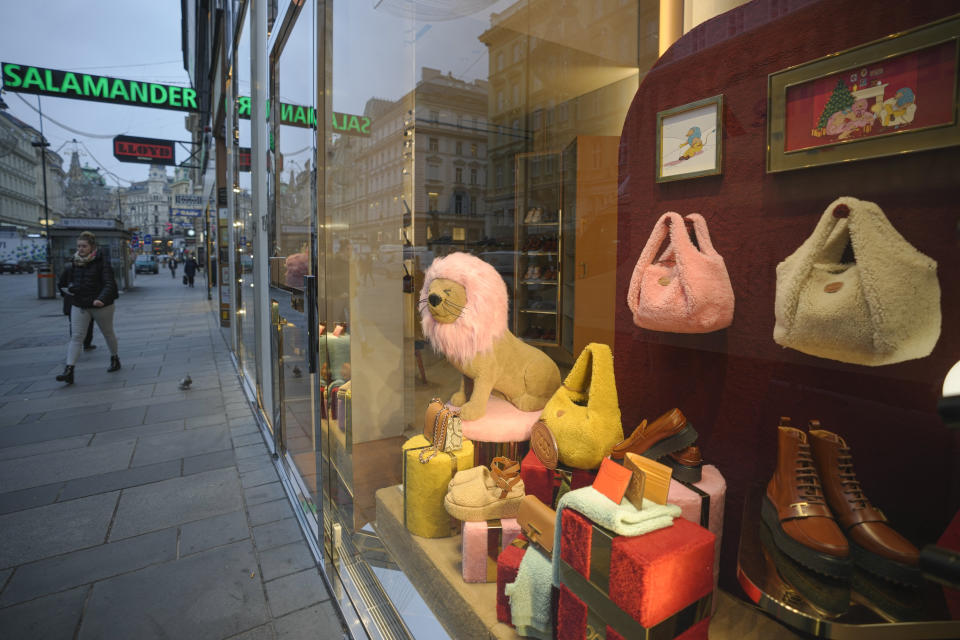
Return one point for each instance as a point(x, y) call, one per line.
point(141, 41)
point(122, 39)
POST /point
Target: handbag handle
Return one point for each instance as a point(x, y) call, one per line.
point(591, 372)
point(672, 223)
point(702, 234)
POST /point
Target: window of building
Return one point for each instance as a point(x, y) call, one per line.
point(459, 148)
point(434, 116)
point(473, 150)
point(433, 172)
point(498, 177)
point(459, 234)
point(473, 176)
point(432, 198)
point(434, 144)
point(458, 178)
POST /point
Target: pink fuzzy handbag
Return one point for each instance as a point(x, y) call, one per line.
point(686, 290)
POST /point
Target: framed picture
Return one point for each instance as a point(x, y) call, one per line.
point(891, 96)
point(690, 140)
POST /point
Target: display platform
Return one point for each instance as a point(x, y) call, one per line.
point(469, 610)
point(864, 607)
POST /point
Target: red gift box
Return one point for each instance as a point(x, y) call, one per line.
point(508, 564)
point(549, 484)
point(656, 585)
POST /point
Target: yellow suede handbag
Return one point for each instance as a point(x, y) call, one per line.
point(584, 415)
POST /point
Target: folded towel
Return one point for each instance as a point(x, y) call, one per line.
point(530, 607)
point(623, 519)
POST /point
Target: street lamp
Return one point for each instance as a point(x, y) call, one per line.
point(42, 144)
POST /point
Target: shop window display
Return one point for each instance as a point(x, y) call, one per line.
point(533, 397)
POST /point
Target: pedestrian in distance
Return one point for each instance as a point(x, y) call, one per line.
point(190, 269)
point(88, 277)
point(172, 263)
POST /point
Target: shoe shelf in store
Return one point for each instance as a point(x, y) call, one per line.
point(541, 224)
point(543, 311)
point(540, 253)
point(863, 606)
point(544, 282)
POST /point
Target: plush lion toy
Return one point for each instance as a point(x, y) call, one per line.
point(466, 300)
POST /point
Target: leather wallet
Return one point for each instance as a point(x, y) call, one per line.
point(537, 522)
point(651, 480)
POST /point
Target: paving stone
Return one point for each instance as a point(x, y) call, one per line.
point(277, 534)
point(29, 498)
point(132, 433)
point(295, 591)
point(208, 461)
point(246, 439)
point(180, 444)
point(263, 492)
point(206, 595)
point(244, 429)
point(319, 621)
point(208, 533)
point(249, 451)
point(284, 560)
point(63, 465)
point(264, 632)
point(184, 409)
point(269, 512)
point(26, 450)
point(176, 501)
point(206, 421)
point(71, 412)
point(258, 477)
point(89, 565)
point(120, 479)
point(246, 465)
point(54, 616)
point(4, 575)
point(53, 429)
point(57, 528)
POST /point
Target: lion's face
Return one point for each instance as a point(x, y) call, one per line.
point(446, 300)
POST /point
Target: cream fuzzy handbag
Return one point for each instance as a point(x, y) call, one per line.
point(881, 307)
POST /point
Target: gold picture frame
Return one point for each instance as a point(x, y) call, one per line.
point(859, 103)
point(690, 140)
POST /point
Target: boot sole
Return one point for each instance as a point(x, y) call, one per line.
point(506, 508)
point(824, 563)
point(681, 440)
point(885, 568)
point(682, 472)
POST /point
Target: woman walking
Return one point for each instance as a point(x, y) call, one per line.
point(88, 277)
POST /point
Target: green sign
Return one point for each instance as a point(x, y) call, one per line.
point(66, 84)
point(300, 116)
point(84, 86)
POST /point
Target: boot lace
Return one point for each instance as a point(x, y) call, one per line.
point(848, 479)
point(808, 482)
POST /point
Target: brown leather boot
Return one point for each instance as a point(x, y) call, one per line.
point(687, 464)
point(796, 513)
point(668, 433)
point(875, 546)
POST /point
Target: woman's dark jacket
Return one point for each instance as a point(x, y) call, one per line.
point(190, 267)
point(91, 281)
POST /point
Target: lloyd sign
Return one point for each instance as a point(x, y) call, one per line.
point(144, 150)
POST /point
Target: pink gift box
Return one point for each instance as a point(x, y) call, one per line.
point(702, 503)
point(482, 543)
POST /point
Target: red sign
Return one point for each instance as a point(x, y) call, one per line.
point(144, 150)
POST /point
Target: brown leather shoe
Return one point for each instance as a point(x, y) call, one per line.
point(796, 513)
point(875, 546)
point(687, 464)
point(668, 433)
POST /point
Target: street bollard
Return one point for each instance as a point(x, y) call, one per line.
point(45, 283)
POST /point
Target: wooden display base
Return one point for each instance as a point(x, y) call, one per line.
point(470, 610)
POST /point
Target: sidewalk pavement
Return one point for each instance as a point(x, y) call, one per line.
point(129, 508)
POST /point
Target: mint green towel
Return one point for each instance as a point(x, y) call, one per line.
point(530, 608)
point(623, 519)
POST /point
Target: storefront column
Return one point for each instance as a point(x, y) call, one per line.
point(671, 24)
point(231, 215)
point(258, 189)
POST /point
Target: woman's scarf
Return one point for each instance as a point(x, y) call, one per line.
point(80, 260)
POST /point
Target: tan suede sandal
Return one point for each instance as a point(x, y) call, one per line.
point(491, 495)
point(471, 474)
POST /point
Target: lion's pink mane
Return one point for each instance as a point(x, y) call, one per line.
point(484, 318)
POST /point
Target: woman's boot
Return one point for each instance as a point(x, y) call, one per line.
point(67, 375)
point(114, 364)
